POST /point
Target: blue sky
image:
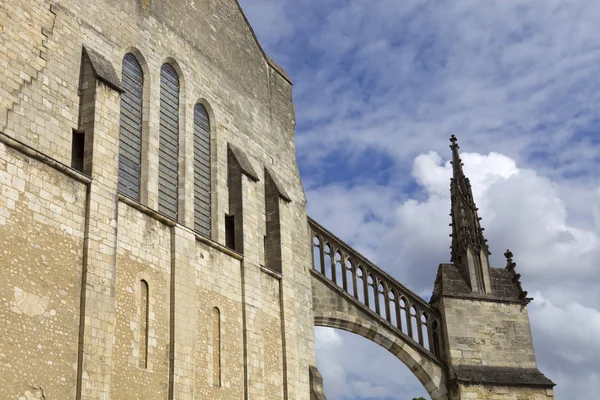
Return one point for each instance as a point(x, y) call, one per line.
point(380, 85)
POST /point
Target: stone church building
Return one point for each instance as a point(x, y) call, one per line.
point(154, 242)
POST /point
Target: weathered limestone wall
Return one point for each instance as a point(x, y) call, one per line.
point(502, 393)
point(40, 70)
point(272, 337)
point(218, 281)
point(487, 333)
point(144, 253)
point(249, 102)
point(208, 43)
point(490, 352)
point(41, 250)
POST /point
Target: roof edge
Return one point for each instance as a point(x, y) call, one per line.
point(103, 69)
point(268, 59)
point(501, 376)
point(243, 162)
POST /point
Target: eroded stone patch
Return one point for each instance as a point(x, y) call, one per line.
point(30, 304)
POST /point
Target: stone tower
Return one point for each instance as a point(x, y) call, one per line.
point(487, 338)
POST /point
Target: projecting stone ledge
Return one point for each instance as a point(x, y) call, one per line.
point(501, 376)
point(243, 161)
point(280, 189)
point(103, 69)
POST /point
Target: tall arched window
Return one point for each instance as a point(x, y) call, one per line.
point(130, 135)
point(201, 171)
point(168, 177)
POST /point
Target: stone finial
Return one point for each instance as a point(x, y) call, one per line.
point(510, 264)
point(454, 142)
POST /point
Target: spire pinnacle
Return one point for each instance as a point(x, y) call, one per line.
point(470, 252)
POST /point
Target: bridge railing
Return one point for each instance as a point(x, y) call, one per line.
point(376, 289)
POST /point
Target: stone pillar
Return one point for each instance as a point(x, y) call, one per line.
point(487, 340)
point(99, 118)
point(150, 138)
point(274, 193)
point(183, 314)
point(186, 163)
point(316, 385)
point(253, 298)
point(279, 252)
point(244, 205)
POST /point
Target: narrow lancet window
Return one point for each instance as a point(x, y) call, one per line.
point(201, 171)
point(216, 344)
point(168, 176)
point(144, 314)
point(130, 135)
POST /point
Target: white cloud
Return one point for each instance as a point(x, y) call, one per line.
point(567, 345)
point(518, 77)
point(576, 326)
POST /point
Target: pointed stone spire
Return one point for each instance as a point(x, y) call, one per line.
point(470, 252)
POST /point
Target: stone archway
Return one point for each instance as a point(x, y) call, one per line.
point(333, 308)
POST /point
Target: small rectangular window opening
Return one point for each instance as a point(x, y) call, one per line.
point(77, 150)
point(230, 231)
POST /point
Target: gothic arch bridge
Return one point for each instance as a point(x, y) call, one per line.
point(353, 294)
